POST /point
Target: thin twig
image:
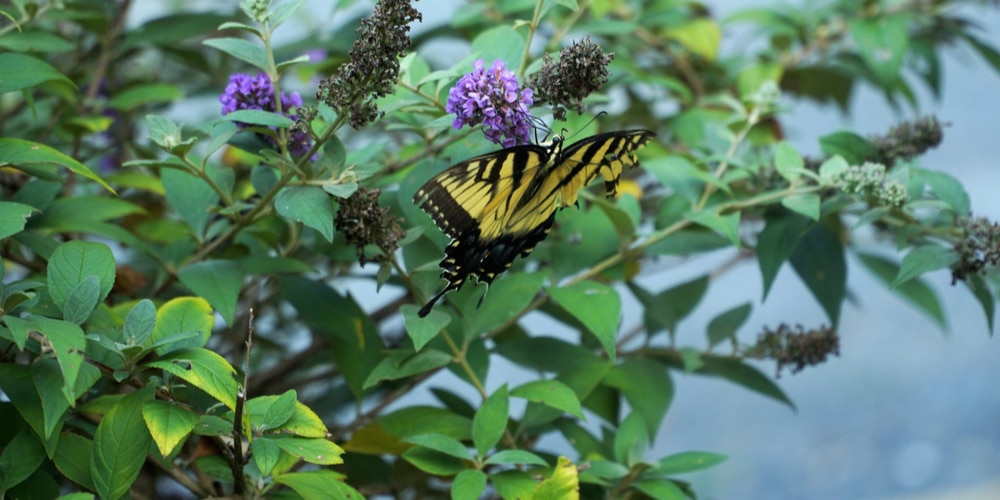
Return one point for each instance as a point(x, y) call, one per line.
point(239, 458)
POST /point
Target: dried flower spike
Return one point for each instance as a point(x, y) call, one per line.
point(364, 222)
point(492, 97)
point(795, 347)
point(582, 69)
point(374, 63)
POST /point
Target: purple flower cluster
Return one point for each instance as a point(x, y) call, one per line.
point(491, 97)
point(257, 92)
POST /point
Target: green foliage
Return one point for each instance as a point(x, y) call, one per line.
point(124, 233)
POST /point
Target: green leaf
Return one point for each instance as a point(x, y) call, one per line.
point(689, 461)
point(726, 225)
point(283, 12)
point(805, 204)
point(508, 297)
point(634, 378)
point(514, 484)
point(258, 117)
point(51, 387)
point(631, 440)
point(19, 153)
point(777, 242)
point(550, 393)
point(309, 205)
point(444, 444)
point(661, 489)
point(177, 319)
point(744, 375)
point(831, 169)
point(242, 50)
point(140, 322)
point(278, 412)
point(915, 291)
point(947, 189)
point(72, 458)
point(144, 94)
point(71, 264)
point(666, 309)
point(120, 445)
point(819, 261)
point(852, 147)
point(22, 71)
point(981, 290)
point(16, 382)
point(516, 457)
point(491, 420)
point(503, 43)
point(13, 217)
point(393, 369)
point(423, 330)
point(318, 484)
point(883, 42)
point(562, 484)
point(468, 485)
point(82, 300)
point(68, 343)
point(168, 424)
point(788, 162)
point(21, 457)
point(596, 305)
point(265, 454)
point(724, 326)
point(218, 281)
point(924, 259)
point(313, 450)
point(267, 411)
point(433, 462)
point(35, 41)
point(415, 420)
point(203, 369)
point(190, 197)
point(701, 36)
point(209, 425)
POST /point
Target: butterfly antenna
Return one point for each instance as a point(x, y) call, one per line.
point(592, 120)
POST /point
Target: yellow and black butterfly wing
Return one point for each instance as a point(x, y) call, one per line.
point(498, 206)
point(474, 203)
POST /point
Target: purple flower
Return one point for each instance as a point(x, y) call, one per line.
point(257, 92)
point(491, 97)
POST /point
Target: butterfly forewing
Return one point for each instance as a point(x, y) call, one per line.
point(498, 206)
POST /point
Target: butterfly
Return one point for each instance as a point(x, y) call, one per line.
point(501, 204)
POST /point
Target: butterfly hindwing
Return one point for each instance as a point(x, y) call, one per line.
point(498, 206)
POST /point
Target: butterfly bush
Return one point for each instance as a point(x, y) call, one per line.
point(491, 97)
point(257, 92)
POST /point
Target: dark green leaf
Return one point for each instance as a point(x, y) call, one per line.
point(144, 94)
point(73, 262)
point(35, 41)
point(190, 197)
point(744, 375)
point(883, 42)
point(309, 205)
point(516, 457)
point(596, 305)
point(68, 343)
point(218, 281)
point(468, 485)
point(646, 386)
point(726, 225)
point(391, 369)
point(16, 382)
point(661, 489)
point(433, 462)
point(140, 322)
point(725, 325)
point(72, 458)
point(819, 261)
point(981, 290)
point(546, 354)
point(19, 459)
point(854, 148)
point(777, 242)
point(924, 259)
point(631, 440)
point(415, 420)
point(915, 291)
point(805, 204)
point(666, 309)
point(82, 300)
point(490, 421)
point(120, 445)
point(261, 118)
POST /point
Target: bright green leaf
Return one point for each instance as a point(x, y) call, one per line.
point(321, 483)
point(23, 71)
point(805, 204)
point(788, 162)
point(168, 424)
point(309, 205)
point(20, 154)
point(726, 225)
point(468, 485)
point(242, 50)
point(82, 300)
point(444, 444)
point(631, 440)
point(72, 458)
point(596, 305)
point(490, 421)
point(433, 462)
point(924, 259)
point(13, 217)
point(423, 330)
point(177, 319)
point(71, 264)
point(203, 369)
point(516, 457)
point(120, 445)
point(550, 393)
point(313, 450)
point(701, 36)
point(562, 484)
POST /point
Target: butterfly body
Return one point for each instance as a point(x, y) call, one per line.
point(498, 206)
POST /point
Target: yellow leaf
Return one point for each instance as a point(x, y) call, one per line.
point(700, 36)
point(563, 484)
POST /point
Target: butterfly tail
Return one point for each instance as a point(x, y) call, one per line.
point(424, 311)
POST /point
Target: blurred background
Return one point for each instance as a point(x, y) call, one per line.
point(907, 411)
